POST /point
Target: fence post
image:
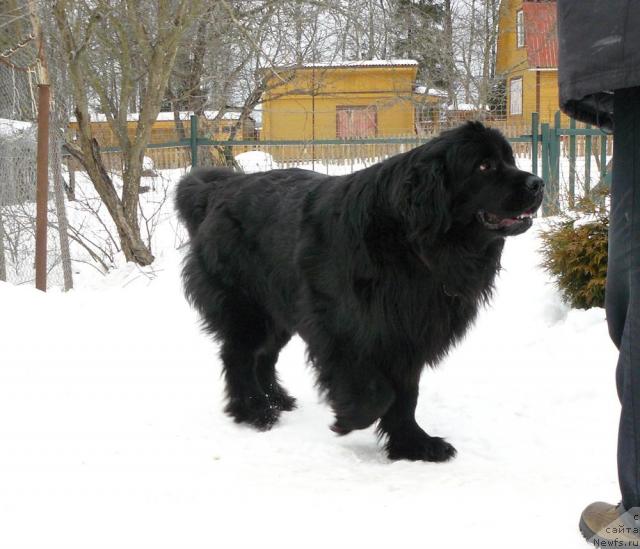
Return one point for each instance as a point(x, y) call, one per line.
point(603, 158)
point(572, 165)
point(553, 203)
point(557, 139)
point(535, 122)
point(42, 186)
point(544, 132)
point(547, 169)
point(194, 141)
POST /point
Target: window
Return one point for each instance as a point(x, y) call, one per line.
point(356, 122)
point(520, 29)
point(515, 96)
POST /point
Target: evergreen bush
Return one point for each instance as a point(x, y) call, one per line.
point(575, 253)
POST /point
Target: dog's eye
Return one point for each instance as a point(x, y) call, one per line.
point(484, 166)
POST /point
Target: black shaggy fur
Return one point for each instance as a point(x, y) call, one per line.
point(380, 272)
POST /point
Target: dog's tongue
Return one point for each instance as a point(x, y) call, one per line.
point(507, 222)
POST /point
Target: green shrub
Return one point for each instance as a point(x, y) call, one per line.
point(575, 254)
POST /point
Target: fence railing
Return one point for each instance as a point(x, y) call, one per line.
point(561, 150)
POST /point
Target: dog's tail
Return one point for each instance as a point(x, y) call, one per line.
point(194, 193)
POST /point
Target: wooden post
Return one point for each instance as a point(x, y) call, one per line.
point(42, 159)
point(42, 188)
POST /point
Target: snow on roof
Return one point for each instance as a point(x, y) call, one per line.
point(10, 128)
point(423, 90)
point(167, 116)
point(465, 107)
point(209, 115)
point(363, 63)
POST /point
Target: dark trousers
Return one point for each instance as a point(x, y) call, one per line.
point(623, 286)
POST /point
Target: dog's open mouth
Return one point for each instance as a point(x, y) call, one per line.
point(496, 222)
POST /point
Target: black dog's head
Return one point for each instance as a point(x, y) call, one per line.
point(466, 181)
point(487, 188)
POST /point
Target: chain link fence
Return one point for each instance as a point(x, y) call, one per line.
point(18, 154)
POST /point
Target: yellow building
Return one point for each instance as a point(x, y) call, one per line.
point(165, 129)
point(345, 100)
point(527, 59)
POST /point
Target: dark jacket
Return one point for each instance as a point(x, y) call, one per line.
point(599, 51)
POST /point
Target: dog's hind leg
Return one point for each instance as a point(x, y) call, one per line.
point(267, 375)
point(405, 439)
point(243, 330)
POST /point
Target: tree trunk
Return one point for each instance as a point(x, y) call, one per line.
point(449, 56)
point(133, 246)
point(145, 72)
point(372, 31)
point(61, 211)
point(247, 108)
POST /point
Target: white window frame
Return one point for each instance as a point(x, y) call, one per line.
point(520, 29)
point(515, 99)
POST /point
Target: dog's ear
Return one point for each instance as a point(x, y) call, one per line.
point(423, 201)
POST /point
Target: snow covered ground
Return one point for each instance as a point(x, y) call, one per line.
point(112, 432)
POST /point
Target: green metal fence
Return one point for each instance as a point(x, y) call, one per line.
point(572, 161)
point(554, 152)
point(558, 148)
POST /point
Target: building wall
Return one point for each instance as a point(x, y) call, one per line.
point(165, 130)
point(549, 98)
point(538, 94)
point(528, 96)
point(509, 58)
point(305, 106)
point(511, 62)
point(296, 117)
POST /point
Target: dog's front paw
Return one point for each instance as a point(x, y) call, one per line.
point(421, 448)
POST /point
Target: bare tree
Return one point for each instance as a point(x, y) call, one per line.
point(475, 33)
point(115, 50)
point(236, 54)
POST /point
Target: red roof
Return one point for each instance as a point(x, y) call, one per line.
point(541, 37)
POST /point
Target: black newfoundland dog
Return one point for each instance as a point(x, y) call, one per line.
point(380, 272)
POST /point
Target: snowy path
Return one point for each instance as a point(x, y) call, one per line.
point(109, 438)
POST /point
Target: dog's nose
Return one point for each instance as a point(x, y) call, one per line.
point(534, 183)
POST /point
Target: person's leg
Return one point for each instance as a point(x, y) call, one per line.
point(623, 286)
point(603, 524)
